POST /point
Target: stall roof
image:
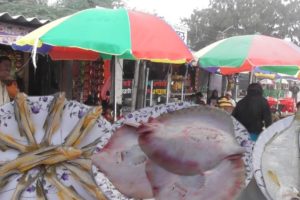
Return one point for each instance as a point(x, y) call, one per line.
point(21, 20)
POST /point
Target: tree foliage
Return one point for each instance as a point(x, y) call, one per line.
point(41, 9)
point(225, 18)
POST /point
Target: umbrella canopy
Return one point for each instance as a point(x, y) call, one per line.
point(282, 81)
point(266, 82)
point(243, 53)
point(90, 33)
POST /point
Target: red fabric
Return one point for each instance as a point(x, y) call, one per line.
point(229, 70)
point(272, 101)
point(68, 53)
point(288, 105)
point(106, 69)
point(270, 51)
point(161, 42)
point(105, 88)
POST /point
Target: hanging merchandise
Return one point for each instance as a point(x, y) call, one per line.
point(16, 57)
point(88, 79)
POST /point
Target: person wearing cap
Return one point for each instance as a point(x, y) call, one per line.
point(225, 104)
point(228, 95)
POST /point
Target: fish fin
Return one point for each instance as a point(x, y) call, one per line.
point(272, 139)
point(274, 177)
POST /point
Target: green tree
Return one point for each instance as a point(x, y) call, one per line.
point(225, 18)
point(41, 9)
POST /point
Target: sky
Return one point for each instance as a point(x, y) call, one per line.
point(171, 10)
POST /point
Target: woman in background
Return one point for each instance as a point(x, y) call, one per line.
point(213, 99)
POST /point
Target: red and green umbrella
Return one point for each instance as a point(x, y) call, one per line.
point(243, 53)
point(90, 33)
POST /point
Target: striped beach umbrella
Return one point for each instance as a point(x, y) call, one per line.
point(243, 53)
point(90, 33)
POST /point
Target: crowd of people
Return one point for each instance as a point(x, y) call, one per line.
point(253, 111)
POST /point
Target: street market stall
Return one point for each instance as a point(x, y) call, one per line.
point(109, 34)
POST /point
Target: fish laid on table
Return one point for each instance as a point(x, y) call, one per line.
point(22, 114)
point(54, 117)
point(221, 183)
point(25, 181)
point(5, 178)
point(175, 140)
point(26, 161)
point(64, 192)
point(280, 163)
point(84, 125)
point(123, 162)
point(40, 192)
point(84, 163)
point(10, 142)
point(45, 156)
point(86, 180)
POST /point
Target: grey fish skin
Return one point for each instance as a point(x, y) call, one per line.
point(174, 140)
point(54, 117)
point(23, 118)
point(281, 163)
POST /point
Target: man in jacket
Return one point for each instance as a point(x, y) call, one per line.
point(253, 111)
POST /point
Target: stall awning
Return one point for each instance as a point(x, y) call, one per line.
point(12, 27)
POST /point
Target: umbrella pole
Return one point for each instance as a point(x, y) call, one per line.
point(183, 83)
point(113, 86)
point(146, 86)
point(151, 93)
point(208, 85)
point(169, 83)
point(141, 85)
point(135, 85)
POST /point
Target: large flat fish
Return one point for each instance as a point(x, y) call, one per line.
point(123, 162)
point(183, 143)
point(221, 183)
point(280, 163)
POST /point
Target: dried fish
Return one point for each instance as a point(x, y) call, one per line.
point(64, 192)
point(23, 118)
point(86, 181)
point(26, 161)
point(63, 154)
point(86, 164)
point(40, 192)
point(83, 126)
point(12, 143)
point(54, 117)
point(4, 179)
point(25, 181)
